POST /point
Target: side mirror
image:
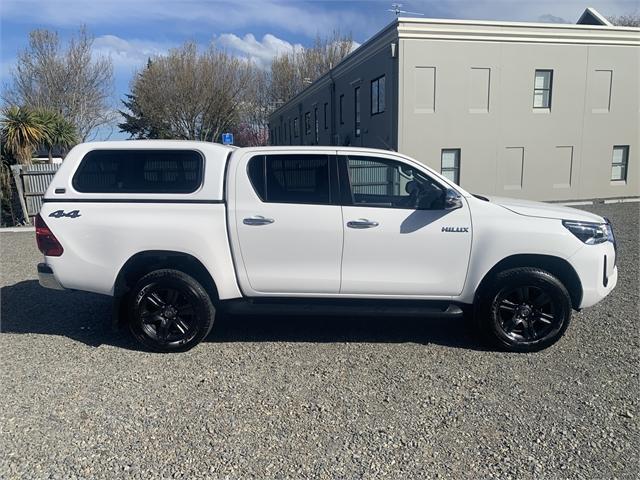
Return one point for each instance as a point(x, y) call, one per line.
point(452, 200)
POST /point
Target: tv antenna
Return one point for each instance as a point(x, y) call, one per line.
point(397, 9)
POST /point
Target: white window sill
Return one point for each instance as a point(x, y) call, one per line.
point(541, 110)
point(618, 183)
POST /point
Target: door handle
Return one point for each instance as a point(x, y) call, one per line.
point(362, 223)
point(257, 220)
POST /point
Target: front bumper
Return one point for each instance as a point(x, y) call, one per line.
point(597, 270)
point(46, 277)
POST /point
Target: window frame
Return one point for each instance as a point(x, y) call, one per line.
point(326, 115)
point(549, 89)
point(296, 130)
point(341, 104)
point(307, 123)
point(346, 194)
point(456, 169)
point(316, 126)
point(624, 164)
point(376, 82)
point(357, 124)
point(333, 184)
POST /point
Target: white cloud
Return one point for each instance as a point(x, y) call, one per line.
point(548, 18)
point(128, 54)
point(260, 52)
point(518, 10)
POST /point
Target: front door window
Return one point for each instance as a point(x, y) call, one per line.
point(377, 182)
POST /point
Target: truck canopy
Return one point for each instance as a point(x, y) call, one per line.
point(142, 170)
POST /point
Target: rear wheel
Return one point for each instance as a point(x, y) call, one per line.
point(170, 311)
point(524, 310)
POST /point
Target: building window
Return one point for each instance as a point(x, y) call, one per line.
point(290, 133)
point(296, 132)
point(342, 109)
point(542, 89)
point(450, 167)
point(377, 95)
point(326, 115)
point(356, 109)
point(619, 162)
point(316, 125)
point(307, 123)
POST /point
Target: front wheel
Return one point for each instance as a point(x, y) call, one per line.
point(169, 311)
point(524, 310)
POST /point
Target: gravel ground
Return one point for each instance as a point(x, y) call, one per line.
point(314, 398)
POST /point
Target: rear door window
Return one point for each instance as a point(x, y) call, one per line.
point(291, 178)
point(139, 171)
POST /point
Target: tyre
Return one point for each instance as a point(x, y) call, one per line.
point(169, 311)
point(524, 310)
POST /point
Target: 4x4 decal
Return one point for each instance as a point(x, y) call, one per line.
point(61, 213)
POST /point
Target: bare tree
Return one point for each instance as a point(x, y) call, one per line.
point(68, 80)
point(629, 20)
point(253, 127)
point(292, 71)
point(187, 94)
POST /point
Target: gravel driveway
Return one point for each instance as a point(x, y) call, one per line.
point(314, 397)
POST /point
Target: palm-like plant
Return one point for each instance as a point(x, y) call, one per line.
point(58, 132)
point(22, 132)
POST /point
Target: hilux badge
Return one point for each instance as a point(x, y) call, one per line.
point(455, 229)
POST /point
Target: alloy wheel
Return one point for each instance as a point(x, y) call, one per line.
point(168, 315)
point(527, 313)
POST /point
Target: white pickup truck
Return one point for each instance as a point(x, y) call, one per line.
point(175, 230)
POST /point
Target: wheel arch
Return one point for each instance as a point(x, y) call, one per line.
point(149, 260)
point(146, 261)
point(556, 266)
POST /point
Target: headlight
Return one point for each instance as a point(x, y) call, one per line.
point(590, 233)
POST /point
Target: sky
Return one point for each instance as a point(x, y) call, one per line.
point(131, 31)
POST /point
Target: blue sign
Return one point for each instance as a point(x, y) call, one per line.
point(227, 138)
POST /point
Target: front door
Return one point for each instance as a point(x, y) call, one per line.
point(398, 238)
point(289, 224)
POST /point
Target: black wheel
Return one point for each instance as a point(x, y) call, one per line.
point(524, 310)
point(169, 311)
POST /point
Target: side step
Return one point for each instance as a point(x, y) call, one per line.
point(341, 307)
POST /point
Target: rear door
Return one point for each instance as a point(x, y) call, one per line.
point(399, 239)
point(288, 223)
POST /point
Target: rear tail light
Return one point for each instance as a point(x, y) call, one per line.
point(48, 244)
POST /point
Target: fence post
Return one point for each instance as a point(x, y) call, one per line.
point(17, 177)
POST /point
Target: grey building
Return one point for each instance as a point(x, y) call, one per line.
point(530, 110)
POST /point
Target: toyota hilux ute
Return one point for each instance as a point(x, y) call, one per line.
point(177, 230)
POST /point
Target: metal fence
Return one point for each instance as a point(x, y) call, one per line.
point(32, 182)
